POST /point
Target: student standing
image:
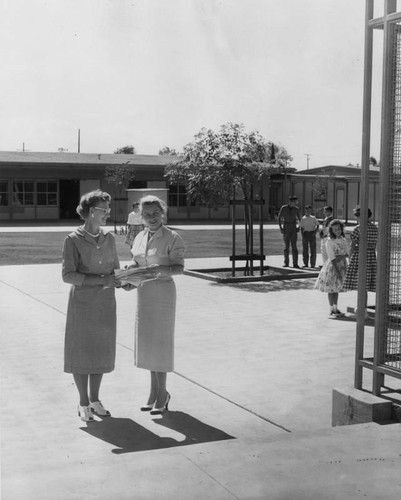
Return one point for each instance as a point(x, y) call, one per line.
point(288, 220)
point(324, 232)
point(331, 276)
point(309, 226)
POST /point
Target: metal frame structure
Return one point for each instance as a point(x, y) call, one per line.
point(386, 359)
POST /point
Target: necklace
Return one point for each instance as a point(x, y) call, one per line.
point(90, 234)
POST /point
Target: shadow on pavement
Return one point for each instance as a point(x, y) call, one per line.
point(131, 437)
point(272, 286)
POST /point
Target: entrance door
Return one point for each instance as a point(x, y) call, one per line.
point(69, 198)
point(340, 203)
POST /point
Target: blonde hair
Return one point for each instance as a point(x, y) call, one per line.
point(150, 199)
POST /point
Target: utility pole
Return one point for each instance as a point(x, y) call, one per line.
point(79, 140)
point(307, 160)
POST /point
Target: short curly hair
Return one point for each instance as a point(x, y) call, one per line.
point(89, 200)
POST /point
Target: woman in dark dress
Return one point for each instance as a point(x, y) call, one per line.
point(89, 260)
point(351, 277)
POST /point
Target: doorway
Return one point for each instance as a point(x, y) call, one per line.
point(69, 198)
point(340, 199)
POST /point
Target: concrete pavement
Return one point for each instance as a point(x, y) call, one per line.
point(250, 414)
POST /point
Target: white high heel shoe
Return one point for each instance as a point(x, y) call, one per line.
point(97, 408)
point(85, 413)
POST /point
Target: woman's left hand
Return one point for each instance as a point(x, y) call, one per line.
point(128, 287)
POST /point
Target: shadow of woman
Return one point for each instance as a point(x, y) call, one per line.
point(194, 430)
point(128, 436)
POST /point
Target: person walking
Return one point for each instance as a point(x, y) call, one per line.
point(159, 250)
point(288, 220)
point(309, 226)
point(324, 232)
point(331, 276)
point(89, 260)
point(351, 277)
point(134, 224)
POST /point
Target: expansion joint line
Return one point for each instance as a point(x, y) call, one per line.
point(233, 402)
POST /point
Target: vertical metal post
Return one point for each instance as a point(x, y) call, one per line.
point(366, 120)
point(261, 230)
point(233, 231)
point(250, 208)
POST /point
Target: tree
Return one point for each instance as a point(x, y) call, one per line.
point(126, 150)
point(215, 162)
point(120, 176)
point(168, 151)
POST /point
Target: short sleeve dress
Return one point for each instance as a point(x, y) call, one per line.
point(328, 281)
point(90, 333)
point(351, 277)
point(155, 315)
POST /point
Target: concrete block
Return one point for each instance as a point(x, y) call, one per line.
point(352, 406)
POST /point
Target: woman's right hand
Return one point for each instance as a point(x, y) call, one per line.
point(111, 281)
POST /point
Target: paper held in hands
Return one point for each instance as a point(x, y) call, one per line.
point(135, 276)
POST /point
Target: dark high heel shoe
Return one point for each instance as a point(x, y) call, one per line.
point(159, 411)
point(147, 407)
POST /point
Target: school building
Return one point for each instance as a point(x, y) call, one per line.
point(47, 186)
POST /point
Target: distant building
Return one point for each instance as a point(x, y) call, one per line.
point(338, 186)
point(47, 186)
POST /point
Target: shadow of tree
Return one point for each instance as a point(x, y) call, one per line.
point(128, 436)
point(271, 286)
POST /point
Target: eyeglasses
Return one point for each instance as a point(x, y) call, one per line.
point(105, 210)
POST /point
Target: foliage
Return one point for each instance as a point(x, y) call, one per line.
point(215, 162)
point(168, 151)
point(120, 176)
point(126, 150)
point(319, 188)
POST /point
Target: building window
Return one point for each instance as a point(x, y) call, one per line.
point(177, 196)
point(4, 200)
point(46, 193)
point(23, 192)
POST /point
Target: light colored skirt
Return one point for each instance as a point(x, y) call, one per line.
point(154, 326)
point(328, 280)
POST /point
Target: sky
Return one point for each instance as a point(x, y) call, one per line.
point(152, 73)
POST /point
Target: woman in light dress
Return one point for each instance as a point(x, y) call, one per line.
point(332, 274)
point(159, 250)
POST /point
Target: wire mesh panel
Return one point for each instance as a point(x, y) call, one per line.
point(391, 287)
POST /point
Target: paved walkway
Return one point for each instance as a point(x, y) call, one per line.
point(250, 414)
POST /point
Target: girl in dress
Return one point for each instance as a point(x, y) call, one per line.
point(331, 276)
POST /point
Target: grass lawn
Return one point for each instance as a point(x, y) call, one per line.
point(46, 247)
